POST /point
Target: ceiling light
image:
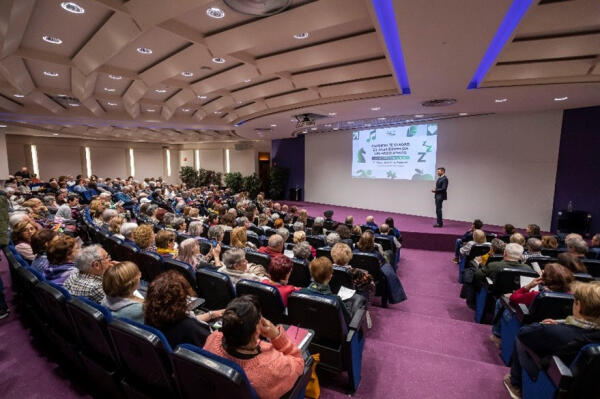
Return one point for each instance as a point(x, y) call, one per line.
point(202, 97)
point(74, 104)
point(217, 112)
point(247, 80)
point(55, 134)
point(215, 12)
point(381, 119)
point(187, 74)
point(151, 110)
point(218, 60)
point(19, 95)
point(2, 125)
point(112, 104)
point(332, 113)
point(72, 7)
point(560, 98)
point(313, 128)
point(301, 36)
point(52, 39)
point(500, 100)
point(351, 122)
point(375, 108)
point(115, 77)
point(109, 90)
point(463, 114)
point(273, 125)
point(336, 128)
point(186, 109)
point(419, 116)
point(328, 125)
point(161, 90)
point(62, 95)
point(304, 131)
point(51, 74)
point(144, 50)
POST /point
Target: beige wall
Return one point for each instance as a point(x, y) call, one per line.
point(108, 161)
point(501, 168)
point(245, 161)
point(4, 169)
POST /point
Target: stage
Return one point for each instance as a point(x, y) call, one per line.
point(418, 231)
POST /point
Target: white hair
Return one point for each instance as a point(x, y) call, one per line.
point(15, 218)
point(127, 229)
point(513, 251)
point(87, 256)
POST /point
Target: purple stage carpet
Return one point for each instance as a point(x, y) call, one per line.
point(418, 231)
point(425, 347)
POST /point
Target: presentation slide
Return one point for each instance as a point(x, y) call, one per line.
point(401, 152)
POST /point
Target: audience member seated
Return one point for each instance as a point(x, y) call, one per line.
point(284, 233)
point(299, 237)
point(39, 245)
point(385, 230)
point(468, 236)
point(321, 271)
point(189, 252)
point(345, 233)
point(577, 247)
point(86, 281)
point(127, 230)
point(533, 231)
point(562, 338)
point(331, 239)
point(303, 251)
point(280, 269)
point(571, 262)
point(555, 278)
point(513, 253)
point(107, 216)
point(317, 227)
point(496, 248)
point(533, 248)
point(227, 222)
point(302, 217)
point(518, 238)
point(356, 230)
point(179, 225)
point(239, 239)
point(595, 245)
point(367, 244)
point(349, 222)
point(298, 226)
point(195, 229)
point(237, 267)
point(393, 230)
point(21, 237)
point(114, 227)
point(362, 281)
point(61, 253)
point(278, 223)
point(68, 210)
point(370, 223)
point(508, 230)
point(549, 242)
point(165, 244)
point(37, 210)
point(119, 283)
point(215, 235)
point(271, 367)
point(274, 247)
point(144, 238)
point(166, 308)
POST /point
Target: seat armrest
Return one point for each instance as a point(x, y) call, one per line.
point(522, 312)
point(559, 373)
point(489, 281)
point(358, 319)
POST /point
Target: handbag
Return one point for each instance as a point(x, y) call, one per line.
point(313, 389)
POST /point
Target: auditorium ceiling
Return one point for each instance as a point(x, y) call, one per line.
point(183, 71)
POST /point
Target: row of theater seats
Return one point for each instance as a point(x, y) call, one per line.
point(575, 380)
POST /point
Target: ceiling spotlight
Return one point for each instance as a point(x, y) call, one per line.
point(73, 104)
point(500, 100)
point(375, 108)
point(367, 125)
point(247, 80)
point(51, 74)
point(2, 125)
point(112, 104)
point(328, 125)
point(332, 113)
point(109, 90)
point(160, 90)
point(419, 116)
point(304, 131)
point(115, 77)
point(72, 7)
point(144, 50)
point(560, 98)
point(463, 114)
point(273, 125)
point(381, 119)
point(218, 60)
point(313, 128)
point(215, 12)
point(202, 97)
point(217, 112)
point(301, 36)
point(186, 109)
point(52, 39)
point(187, 74)
point(151, 110)
point(351, 122)
point(55, 134)
point(19, 95)
point(61, 95)
point(336, 128)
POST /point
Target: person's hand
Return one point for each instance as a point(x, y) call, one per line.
point(114, 262)
point(549, 321)
point(217, 314)
point(533, 283)
point(267, 329)
point(216, 250)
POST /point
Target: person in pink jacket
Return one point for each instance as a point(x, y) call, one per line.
point(271, 367)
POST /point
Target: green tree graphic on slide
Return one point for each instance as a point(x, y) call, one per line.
point(363, 173)
point(361, 155)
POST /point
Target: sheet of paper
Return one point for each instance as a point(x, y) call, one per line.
point(345, 293)
point(288, 253)
point(536, 267)
point(137, 294)
point(526, 280)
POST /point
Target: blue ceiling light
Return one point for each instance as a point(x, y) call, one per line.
point(387, 21)
point(512, 18)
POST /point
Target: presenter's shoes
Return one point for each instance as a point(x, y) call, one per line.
point(438, 225)
point(3, 313)
point(514, 391)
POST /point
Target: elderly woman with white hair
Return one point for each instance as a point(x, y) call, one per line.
point(237, 267)
point(127, 230)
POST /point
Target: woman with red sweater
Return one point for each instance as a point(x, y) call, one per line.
point(280, 269)
point(273, 366)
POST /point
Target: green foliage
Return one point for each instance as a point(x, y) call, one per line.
point(188, 175)
point(202, 177)
point(252, 185)
point(279, 179)
point(234, 181)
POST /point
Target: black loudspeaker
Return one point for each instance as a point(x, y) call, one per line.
point(574, 222)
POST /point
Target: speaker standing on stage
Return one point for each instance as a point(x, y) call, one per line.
point(440, 191)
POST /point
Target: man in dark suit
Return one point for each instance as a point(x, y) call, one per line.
point(440, 194)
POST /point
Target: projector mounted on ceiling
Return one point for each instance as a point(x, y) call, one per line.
point(307, 120)
point(260, 8)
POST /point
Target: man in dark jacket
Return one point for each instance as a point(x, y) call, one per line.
point(440, 194)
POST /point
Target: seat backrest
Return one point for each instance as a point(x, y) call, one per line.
point(205, 246)
point(355, 238)
point(184, 268)
point(368, 262)
point(150, 264)
point(386, 242)
point(310, 221)
point(341, 277)
point(182, 236)
point(593, 266)
point(257, 230)
point(495, 258)
point(270, 232)
point(478, 250)
point(254, 240)
point(508, 279)
point(268, 296)
point(128, 252)
point(144, 355)
point(330, 224)
point(586, 369)
point(320, 313)
point(112, 245)
point(583, 277)
point(364, 228)
point(91, 323)
point(316, 241)
point(201, 374)
point(542, 261)
point(300, 276)
point(325, 251)
point(553, 252)
point(227, 237)
point(216, 288)
point(258, 258)
point(55, 300)
point(551, 305)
